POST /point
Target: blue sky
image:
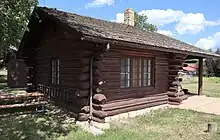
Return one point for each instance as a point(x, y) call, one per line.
point(194, 21)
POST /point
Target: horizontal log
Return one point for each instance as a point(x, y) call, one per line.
point(99, 57)
point(173, 72)
point(99, 98)
point(175, 94)
point(100, 114)
point(82, 117)
point(72, 99)
point(178, 99)
point(98, 120)
point(96, 72)
point(84, 85)
point(175, 83)
point(85, 117)
point(133, 108)
point(132, 102)
point(176, 60)
point(173, 89)
point(185, 65)
point(183, 57)
point(173, 103)
point(84, 77)
point(96, 113)
point(85, 69)
point(97, 64)
point(85, 61)
point(136, 94)
point(82, 93)
point(86, 53)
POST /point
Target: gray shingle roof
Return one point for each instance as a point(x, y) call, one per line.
point(117, 31)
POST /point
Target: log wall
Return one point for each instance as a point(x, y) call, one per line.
point(119, 100)
point(72, 91)
point(111, 74)
point(108, 98)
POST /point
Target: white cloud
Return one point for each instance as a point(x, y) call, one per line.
point(162, 17)
point(119, 17)
point(166, 32)
point(100, 3)
point(184, 23)
point(211, 42)
point(193, 23)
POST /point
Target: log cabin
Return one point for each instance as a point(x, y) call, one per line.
point(97, 68)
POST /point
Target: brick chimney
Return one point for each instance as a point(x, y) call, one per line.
point(129, 16)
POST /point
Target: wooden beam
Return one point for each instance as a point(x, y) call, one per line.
point(200, 86)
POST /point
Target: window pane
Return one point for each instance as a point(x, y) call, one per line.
point(145, 80)
point(128, 69)
point(140, 72)
point(123, 69)
point(128, 61)
point(125, 72)
point(55, 71)
point(123, 77)
point(145, 66)
point(149, 79)
point(149, 62)
point(135, 72)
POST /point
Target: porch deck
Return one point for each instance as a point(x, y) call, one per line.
point(203, 104)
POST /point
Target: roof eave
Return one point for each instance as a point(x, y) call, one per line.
point(138, 45)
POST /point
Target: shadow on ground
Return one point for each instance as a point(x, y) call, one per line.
point(52, 124)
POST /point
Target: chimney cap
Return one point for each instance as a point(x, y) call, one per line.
point(129, 9)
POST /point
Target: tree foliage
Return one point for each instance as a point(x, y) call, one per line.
point(14, 15)
point(213, 65)
point(140, 21)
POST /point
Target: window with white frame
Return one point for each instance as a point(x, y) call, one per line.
point(136, 72)
point(55, 71)
point(125, 72)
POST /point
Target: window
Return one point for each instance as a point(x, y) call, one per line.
point(55, 71)
point(125, 72)
point(136, 72)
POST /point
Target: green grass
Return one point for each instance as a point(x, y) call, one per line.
point(168, 124)
point(211, 86)
point(49, 126)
